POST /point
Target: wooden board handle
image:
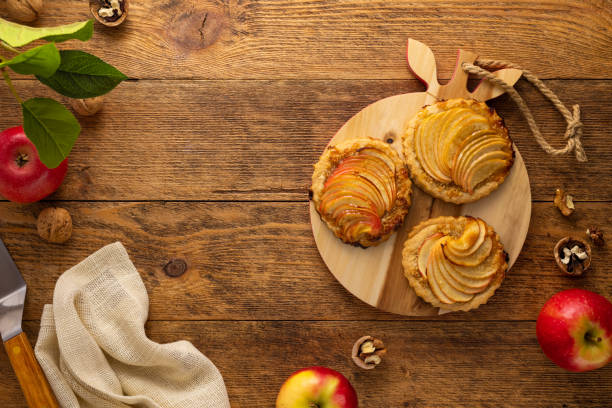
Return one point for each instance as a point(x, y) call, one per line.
point(33, 382)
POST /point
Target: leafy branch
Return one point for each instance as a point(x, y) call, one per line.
point(76, 74)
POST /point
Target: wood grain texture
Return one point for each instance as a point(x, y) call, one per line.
point(356, 39)
point(253, 261)
point(26, 369)
point(258, 140)
point(428, 364)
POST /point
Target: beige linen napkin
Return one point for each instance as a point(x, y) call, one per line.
point(93, 348)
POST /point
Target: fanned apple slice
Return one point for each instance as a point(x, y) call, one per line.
point(459, 282)
point(432, 277)
point(475, 151)
point(424, 251)
point(468, 142)
point(356, 223)
point(370, 151)
point(455, 118)
point(486, 168)
point(441, 279)
point(352, 186)
point(468, 238)
point(473, 259)
point(462, 250)
point(456, 134)
point(378, 172)
point(425, 144)
point(484, 270)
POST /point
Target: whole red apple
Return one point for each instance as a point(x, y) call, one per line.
point(317, 387)
point(23, 177)
point(574, 329)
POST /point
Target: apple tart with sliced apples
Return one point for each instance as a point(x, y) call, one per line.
point(361, 190)
point(458, 150)
point(455, 263)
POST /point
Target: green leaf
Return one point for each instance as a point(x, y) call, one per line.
point(17, 35)
point(43, 60)
point(82, 75)
point(52, 129)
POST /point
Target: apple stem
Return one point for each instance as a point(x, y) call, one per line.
point(588, 336)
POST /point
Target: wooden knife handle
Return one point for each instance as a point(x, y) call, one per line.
point(33, 382)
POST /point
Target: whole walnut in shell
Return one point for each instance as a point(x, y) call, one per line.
point(54, 224)
point(24, 11)
point(87, 107)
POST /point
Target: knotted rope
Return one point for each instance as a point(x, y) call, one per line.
point(573, 131)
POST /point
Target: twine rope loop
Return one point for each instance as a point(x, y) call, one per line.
point(573, 131)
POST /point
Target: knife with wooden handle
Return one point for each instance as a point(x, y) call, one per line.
point(33, 382)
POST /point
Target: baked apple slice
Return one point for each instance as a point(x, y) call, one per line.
point(465, 285)
point(426, 140)
point(455, 137)
point(472, 152)
point(484, 270)
point(460, 247)
point(473, 259)
point(424, 251)
point(432, 277)
point(441, 279)
point(493, 163)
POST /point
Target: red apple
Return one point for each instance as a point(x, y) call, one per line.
point(316, 387)
point(574, 329)
point(23, 177)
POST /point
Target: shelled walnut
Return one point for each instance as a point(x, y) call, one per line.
point(367, 352)
point(111, 13)
point(564, 202)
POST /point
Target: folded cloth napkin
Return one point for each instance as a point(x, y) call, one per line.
point(93, 348)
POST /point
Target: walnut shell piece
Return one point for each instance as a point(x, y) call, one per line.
point(367, 352)
point(54, 224)
point(110, 13)
point(596, 235)
point(24, 11)
point(87, 107)
point(573, 255)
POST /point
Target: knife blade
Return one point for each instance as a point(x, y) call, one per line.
point(12, 295)
point(32, 380)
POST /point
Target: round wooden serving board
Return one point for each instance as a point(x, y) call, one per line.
point(375, 275)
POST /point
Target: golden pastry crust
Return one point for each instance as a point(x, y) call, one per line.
point(392, 219)
point(450, 226)
point(451, 192)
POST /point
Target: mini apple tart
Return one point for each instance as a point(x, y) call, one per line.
point(455, 263)
point(458, 150)
point(361, 189)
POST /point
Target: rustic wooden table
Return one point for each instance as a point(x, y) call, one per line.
point(205, 154)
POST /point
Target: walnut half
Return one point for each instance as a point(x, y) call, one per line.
point(564, 202)
point(367, 352)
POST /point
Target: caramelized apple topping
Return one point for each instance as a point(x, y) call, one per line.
point(457, 268)
point(459, 146)
point(358, 193)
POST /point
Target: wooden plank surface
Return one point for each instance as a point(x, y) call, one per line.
point(429, 363)
point(258, 140)
point(357, 39)
point(258, 261)
point(206, 155)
